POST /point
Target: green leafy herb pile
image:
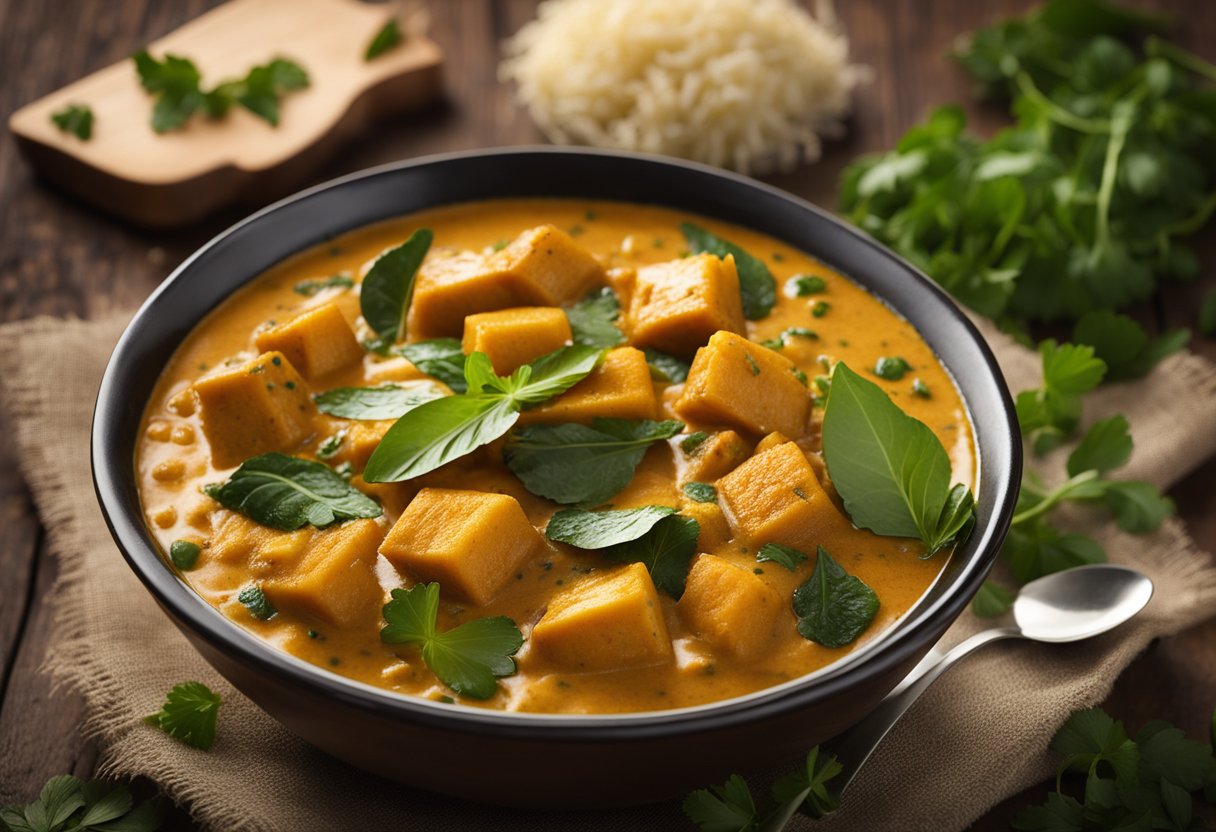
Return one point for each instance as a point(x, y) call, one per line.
point(68, 804)
point(731, 807)
point(176, 83)
point(1129, 784)
point(1080, 206)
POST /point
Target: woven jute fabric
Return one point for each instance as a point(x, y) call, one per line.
point(978, 735)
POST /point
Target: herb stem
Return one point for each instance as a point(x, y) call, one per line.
point(1057, 113)
point(1159, 48)
point(1054, 497)
point(1120, 125)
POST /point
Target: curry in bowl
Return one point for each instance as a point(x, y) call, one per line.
point(558, 456)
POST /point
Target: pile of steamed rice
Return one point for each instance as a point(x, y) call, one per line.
point(745, 84)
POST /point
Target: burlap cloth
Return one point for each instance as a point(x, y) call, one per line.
point(979, 735)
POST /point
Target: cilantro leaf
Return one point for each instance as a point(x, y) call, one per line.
point(833, 607)
point(1049, 415)
point(726, 808)
point(1035, 549)
point(806, 790)
point(175, 83)
point(593, 320)
point(467, 658)
point(601, 529)
point(787, 556)
point(890, 469)
point(1123, 345)
point(388, 36)
point(388, 401)
point(1138, 507)
point(441, 358)
point(1060, 813)
point(756, 284)
point(664, 367)
point(1167, 754)
point(992, 600)
point(76, 119)
point(1090, 738)
point(189, 714)
point(572, 463)
point(286, 492)
point(384, 297)
point(441, 430)
point(1106, 445)
point(665, 549)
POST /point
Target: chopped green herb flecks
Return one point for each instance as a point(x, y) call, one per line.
point(184, 554)
point(821, 308)
point(308, 288)
point(805, 285)
point(919, 388)
point(751, 364)
point(76, 119)
point(891, 368)
point(254, 599)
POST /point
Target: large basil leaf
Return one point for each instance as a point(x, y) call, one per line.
point(593, 320)
point(441, 358)
point(384, 297)
point(601, 529)
point(388, 401)
point(756, 284)
point(833, 607)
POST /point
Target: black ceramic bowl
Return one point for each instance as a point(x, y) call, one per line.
point(475, 753)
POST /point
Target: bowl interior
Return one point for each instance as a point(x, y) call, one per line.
point(323, 213)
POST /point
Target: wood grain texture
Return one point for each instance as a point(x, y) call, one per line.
point(182, 176)
point(57, 257)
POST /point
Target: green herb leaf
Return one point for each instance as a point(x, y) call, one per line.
point(726, 808)
point(1138, 507)
point(665, 549)
point(1106, 445)
point(833, 607)
point(1089, 738)
point(552, 374)
point(891, 368)
point(384, 40)
point(67, 804)
point(805, 285)
point(756, 284)
point(76, 119)
point(184, 554)
point(175, 83)
point(787, 556)
point(1167, 754)
point(254, 599)
point(593, 320)
point(1123, 344)
point(437, 432)
point(441, 358)
point(189, 714)
point(1049, 415)
point(890, 469)
point(601, 529)
point(701, 492)
point(388, 401)
point(309, 288)
point(571, 463)
point(384, 298)
point(692, 443)
point(805, 791)
point(1035, 549)
point(286, 492)
point(468, 658)
point(664, 367)
point(992, 600)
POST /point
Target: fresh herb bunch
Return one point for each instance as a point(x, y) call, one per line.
point(68, 804)
point(731, 807)
point(1077, 207)
point(1145, 783)
point(175, 81)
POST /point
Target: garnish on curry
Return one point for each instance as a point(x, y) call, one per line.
point(558, 456)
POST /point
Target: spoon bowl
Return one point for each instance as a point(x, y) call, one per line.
point(1080, 603)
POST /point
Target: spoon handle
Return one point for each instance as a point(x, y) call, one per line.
point(854, 746)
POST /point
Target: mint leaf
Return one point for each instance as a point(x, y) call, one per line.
point(286, 492)
point(833, 607)
point(890, 469)
point(664, 367)
point(76, 119)
point(1106, 445)
point(665, 549)
point(441, 358)
point(992, 600)
point(593, 320)
point(1138, 507)
point(384, 297)
point(601, 529)
point(700, 492)
point(385, 39)
point(787, 556)
point(468, 658)
point(726, 808)
point(572, 463)
point(757, 287)
point(388, 401)
point(189, 714)
point(437, 432)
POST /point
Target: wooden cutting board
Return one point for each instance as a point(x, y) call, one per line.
point(176, 178)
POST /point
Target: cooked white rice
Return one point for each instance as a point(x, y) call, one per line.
point(744, 84)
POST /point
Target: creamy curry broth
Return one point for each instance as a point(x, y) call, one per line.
point(173, 462)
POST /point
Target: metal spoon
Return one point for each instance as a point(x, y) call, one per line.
point(1066, 606)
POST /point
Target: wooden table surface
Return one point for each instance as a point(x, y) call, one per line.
point(59, 258)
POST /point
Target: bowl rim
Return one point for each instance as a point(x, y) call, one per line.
point(882, 653)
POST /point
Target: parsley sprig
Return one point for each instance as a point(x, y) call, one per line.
point(189, 714)
point(468, 658)
point(732, 808)
point(176, 83)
